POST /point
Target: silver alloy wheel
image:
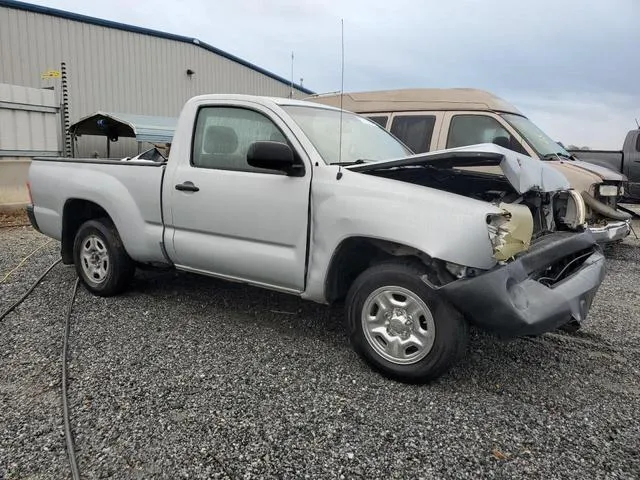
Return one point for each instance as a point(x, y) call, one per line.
point(94, 258)
point(398, 325)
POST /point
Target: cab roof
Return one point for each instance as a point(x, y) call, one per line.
point(260, 99)
point(416, 99)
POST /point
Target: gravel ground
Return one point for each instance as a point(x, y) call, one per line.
point(189, 377)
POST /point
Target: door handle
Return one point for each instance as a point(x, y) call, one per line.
point(187, 187)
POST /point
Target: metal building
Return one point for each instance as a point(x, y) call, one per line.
point(120, 68)
point(29, 127)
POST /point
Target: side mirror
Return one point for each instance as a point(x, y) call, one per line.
point(271, 156)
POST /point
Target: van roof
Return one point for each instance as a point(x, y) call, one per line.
point(416, 99)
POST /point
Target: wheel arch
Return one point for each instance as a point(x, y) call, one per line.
point(357, 253)
point(76, 211)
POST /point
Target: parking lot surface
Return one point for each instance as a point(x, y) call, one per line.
point(190, 377)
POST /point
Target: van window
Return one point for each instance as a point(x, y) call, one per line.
point(415, 131)
point(380, 120)
point(473, 129)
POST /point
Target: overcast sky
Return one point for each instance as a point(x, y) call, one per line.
point(572, 66)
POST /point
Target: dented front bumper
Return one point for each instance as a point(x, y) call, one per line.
point(611, 232)
point(553, 283)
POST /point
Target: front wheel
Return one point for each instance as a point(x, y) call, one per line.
point(401, 326)
point(100, 258)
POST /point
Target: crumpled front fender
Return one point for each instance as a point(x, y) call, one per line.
point(442, 225)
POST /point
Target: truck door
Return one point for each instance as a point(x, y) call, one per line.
point(232, 220)
point(631, 156)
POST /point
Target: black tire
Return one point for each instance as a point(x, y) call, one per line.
point(451, 329)
point(570, 327)
point(121, 268)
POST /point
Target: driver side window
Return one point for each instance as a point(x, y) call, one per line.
point(223, 136)
point(473, 129)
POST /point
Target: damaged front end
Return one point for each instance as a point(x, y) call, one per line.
point(547, 264)
point(533, 198)
point(549, 268)
point(512, 231)
point(544, 288)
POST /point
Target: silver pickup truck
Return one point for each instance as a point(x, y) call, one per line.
point(324, 204)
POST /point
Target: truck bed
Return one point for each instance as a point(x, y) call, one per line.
point(128, 191)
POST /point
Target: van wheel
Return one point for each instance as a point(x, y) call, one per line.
point(100, 258)
point(401, 326)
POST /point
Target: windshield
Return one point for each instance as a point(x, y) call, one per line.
point(539, 141)
point(362, 139)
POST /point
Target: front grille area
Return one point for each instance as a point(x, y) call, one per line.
point(562, 268)
point(610, 201)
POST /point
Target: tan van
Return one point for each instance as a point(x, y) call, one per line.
point(431, 119)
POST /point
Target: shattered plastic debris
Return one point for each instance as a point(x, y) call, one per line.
point(512, 233)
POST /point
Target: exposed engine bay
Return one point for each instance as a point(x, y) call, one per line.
point(550, 211)
point(532, 205)
point(534, 200)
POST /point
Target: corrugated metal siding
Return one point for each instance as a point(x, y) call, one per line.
point(116, 70)
point(29, 126)
point(28, 120)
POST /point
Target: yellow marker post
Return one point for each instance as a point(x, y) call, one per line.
point(51, 74)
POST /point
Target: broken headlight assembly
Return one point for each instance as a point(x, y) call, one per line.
point(576, 213)
point(570, 210)
point(510, 232)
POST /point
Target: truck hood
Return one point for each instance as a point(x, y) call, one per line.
point(523, 173)
point(584, 176)
point(603, 173)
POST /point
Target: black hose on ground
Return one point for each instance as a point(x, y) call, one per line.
point(23, 297)
point(65, 348)
point(71, 453)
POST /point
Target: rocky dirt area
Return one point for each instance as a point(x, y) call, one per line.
point(189, 377)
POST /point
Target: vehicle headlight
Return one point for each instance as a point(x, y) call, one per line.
point(608, 190)
point(576, 214)
point(510, 232)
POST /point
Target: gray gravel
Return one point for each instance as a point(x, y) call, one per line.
point(188, 377)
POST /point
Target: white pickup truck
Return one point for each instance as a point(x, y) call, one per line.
point(305, 199)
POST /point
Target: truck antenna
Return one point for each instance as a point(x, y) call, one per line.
point(638, 124)
point(291, 89)
point(339, 175)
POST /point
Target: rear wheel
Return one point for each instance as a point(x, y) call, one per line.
point(100, 258)
point(401, 326)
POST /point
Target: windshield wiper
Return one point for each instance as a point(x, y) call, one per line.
point(551, 156)
point(357, 162)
